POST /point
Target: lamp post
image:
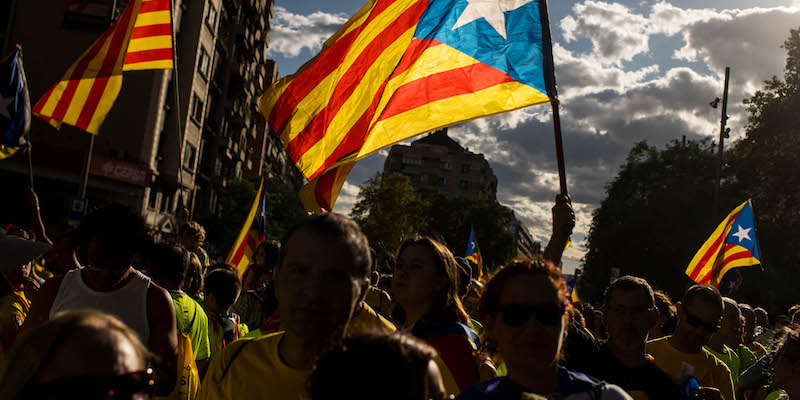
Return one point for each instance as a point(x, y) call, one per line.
point(723, 133)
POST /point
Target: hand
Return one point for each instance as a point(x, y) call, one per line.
point(708, 393)
point(563, 216)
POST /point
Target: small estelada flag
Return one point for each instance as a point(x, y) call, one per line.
point(252, 234)
point(15, 105)
point(732, 245)
point(140, 39)
point(474, 252)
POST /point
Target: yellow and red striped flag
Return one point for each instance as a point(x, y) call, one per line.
point(253, 232)
point(400, 68)
point(140, 39)
point(319, 195)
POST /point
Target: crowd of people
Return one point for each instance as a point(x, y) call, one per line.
point(106, 313)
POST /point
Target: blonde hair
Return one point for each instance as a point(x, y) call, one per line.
point(32, 351)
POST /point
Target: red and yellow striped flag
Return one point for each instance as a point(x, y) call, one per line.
point(400, 68)
point(253, 232)
point(140, 39)
point(319, 195)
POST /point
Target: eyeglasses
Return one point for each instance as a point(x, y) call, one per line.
point(698, 323)
point(135, 385)
point(518, 314)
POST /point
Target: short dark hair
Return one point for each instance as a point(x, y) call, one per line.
point(120, 229)
point(336, 226)
point(225, 285)
point(402, 363)
point(629, 283)
point(705, 293)
point(666, 309)
point(168, 263)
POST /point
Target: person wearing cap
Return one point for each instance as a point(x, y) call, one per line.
point(16, 254)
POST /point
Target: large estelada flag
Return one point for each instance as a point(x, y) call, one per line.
point(474, 252)
point(140, 39)
point(253, 232)
point(400, 68)
point(15, 105)
point(732, 245)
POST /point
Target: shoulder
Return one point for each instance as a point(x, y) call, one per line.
point(614, 392)
point(435, 329)
point(657, 344)
point(495, 388)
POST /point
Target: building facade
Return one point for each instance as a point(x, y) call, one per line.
point(152, 154)
point(437, 161)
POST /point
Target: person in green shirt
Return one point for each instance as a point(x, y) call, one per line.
point(167, 267)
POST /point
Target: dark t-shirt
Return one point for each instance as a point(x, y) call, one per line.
point(647, 382)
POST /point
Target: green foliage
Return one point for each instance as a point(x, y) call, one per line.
point(283, 209)
point(655, 216)
point(657, 212)
point(389, 212)
point(764, 167)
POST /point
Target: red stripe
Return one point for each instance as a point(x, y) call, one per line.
point(318, 69)
point(316, 130)
point(155, 5)
point(249, 241)
point(443, 85)
point(712, 250)
point(149, 55)
point(737, 256)
point(324, 188)
point(109, 64)
point(151, 30)
point(40, 105)
point(77, 74)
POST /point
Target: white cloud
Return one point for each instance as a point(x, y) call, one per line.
point(347, 198)
point(292, 33)
point(616, 33)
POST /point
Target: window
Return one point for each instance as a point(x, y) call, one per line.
point(165, 200)
point(412, 161)
point(151, 200)
point(211, 18)
point(445, 165)
point(443, 180)
point(464, 167)
point(189, 156)
point(197, 109)
point(463, 184)
point(204, 64)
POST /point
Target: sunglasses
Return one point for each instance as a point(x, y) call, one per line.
point(135, 385)
point(517, 315)
point(698, 323)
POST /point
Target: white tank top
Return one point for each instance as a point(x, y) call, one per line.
point(128, 303)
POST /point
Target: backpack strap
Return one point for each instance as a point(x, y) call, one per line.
point(233, 358)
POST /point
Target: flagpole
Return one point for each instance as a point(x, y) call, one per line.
point(552, 93)
point(177, 100)
point(28, 133)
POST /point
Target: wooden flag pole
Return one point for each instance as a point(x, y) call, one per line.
point(552, 93)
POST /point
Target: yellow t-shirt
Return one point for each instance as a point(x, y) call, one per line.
point(708, 370)
point(367, 320)
point(256, 372)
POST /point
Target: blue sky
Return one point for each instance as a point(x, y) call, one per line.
point(627, 71)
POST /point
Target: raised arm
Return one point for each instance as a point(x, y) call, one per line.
point(563, 223)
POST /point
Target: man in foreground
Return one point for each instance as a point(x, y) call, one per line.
point(321, 278)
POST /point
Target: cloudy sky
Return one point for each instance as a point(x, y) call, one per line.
point(627, 71)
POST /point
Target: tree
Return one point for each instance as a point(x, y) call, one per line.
point(388, 213)
point(656, 214)
point(765, 165)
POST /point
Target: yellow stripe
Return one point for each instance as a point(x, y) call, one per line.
point(110, 94)
point(318, 98)
point(267, 101)
point(246, 227)
point(357, 104)
point(150, 43)
point(153, 18)
point(494, 100)
point(722, 230)
point(161, 64)
point(432, 61)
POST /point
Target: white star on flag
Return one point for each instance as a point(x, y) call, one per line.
point(742, 233)
point(490, 10)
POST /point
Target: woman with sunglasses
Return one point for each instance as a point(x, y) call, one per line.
point(524, 310)
point(425, 287)
point(84, 355)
